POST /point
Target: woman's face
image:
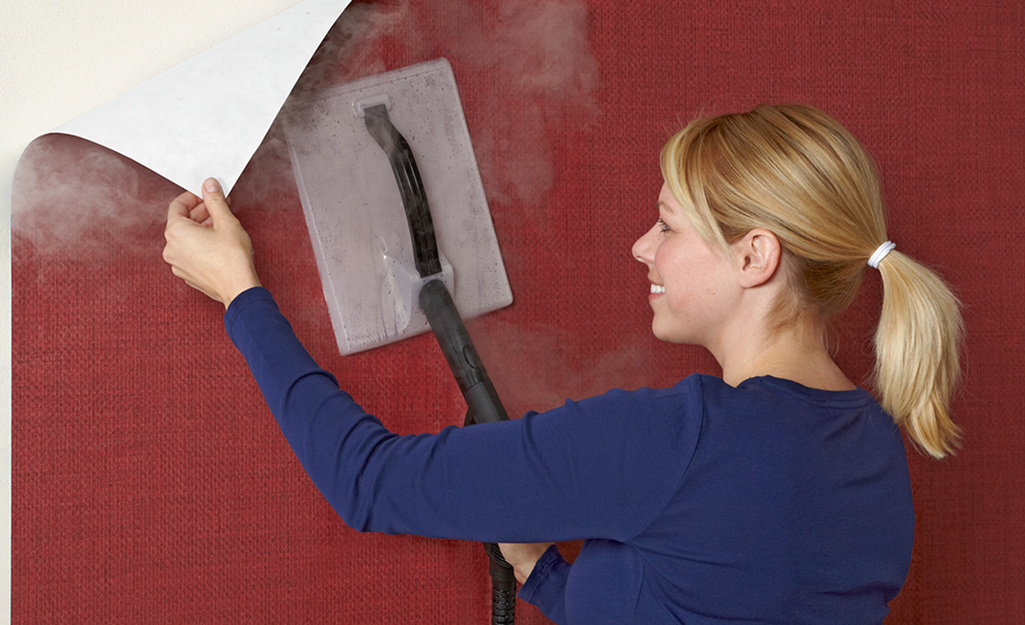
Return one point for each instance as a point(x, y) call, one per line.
point(693, 285)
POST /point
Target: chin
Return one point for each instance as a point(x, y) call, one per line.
point(673, 331)
point(669, 335)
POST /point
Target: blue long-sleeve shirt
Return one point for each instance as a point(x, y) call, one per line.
point(700, 503)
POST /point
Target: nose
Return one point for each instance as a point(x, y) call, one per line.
point(643, 249)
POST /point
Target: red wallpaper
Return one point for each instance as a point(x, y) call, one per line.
point(150, 484)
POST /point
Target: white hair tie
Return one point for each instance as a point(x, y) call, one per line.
point(880, 253)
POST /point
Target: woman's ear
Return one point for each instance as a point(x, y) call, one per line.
point(758, 254)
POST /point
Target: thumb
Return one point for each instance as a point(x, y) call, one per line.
point(216, 204)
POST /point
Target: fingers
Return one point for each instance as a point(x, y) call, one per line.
point(213, 206)
point(216, 205)
point(182, 205)
point(201, 215)
point(179, 217)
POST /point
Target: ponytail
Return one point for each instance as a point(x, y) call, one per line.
point(917, 343)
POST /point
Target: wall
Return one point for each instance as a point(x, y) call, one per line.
point(61, 59)
point(151, 484)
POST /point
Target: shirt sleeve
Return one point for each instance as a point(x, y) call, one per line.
point(546, 585)
point(601, 468)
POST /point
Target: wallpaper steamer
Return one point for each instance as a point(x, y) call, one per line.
point(354, 152)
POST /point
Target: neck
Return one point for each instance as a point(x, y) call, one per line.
point(794, 352)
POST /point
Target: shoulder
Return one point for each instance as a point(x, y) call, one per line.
point(650, 422)
point(778, 417)
point(685, 398)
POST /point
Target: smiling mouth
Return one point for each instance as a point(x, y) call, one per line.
point(657, 289)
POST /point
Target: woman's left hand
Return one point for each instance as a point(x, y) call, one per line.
point(522, 557)
point(207, 246)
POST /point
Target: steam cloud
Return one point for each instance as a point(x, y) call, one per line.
point(529, 61)
point(79, 200)
point(530, 69)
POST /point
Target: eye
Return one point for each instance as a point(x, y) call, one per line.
point(662, 225)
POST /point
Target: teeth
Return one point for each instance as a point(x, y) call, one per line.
point(655, 288)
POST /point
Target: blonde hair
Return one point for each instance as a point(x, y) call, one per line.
point(797, 172)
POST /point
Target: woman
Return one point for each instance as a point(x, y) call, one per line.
point(778, 493)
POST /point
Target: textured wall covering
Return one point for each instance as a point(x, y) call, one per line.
point(150, 484)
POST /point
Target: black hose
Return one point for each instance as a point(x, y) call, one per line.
point(503, 587)
point(484, 407)
point(480, 394)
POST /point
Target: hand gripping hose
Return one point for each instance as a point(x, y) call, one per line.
point(482, 400)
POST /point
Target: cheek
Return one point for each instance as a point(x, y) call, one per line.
point(672, 264)
point(693, 281)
